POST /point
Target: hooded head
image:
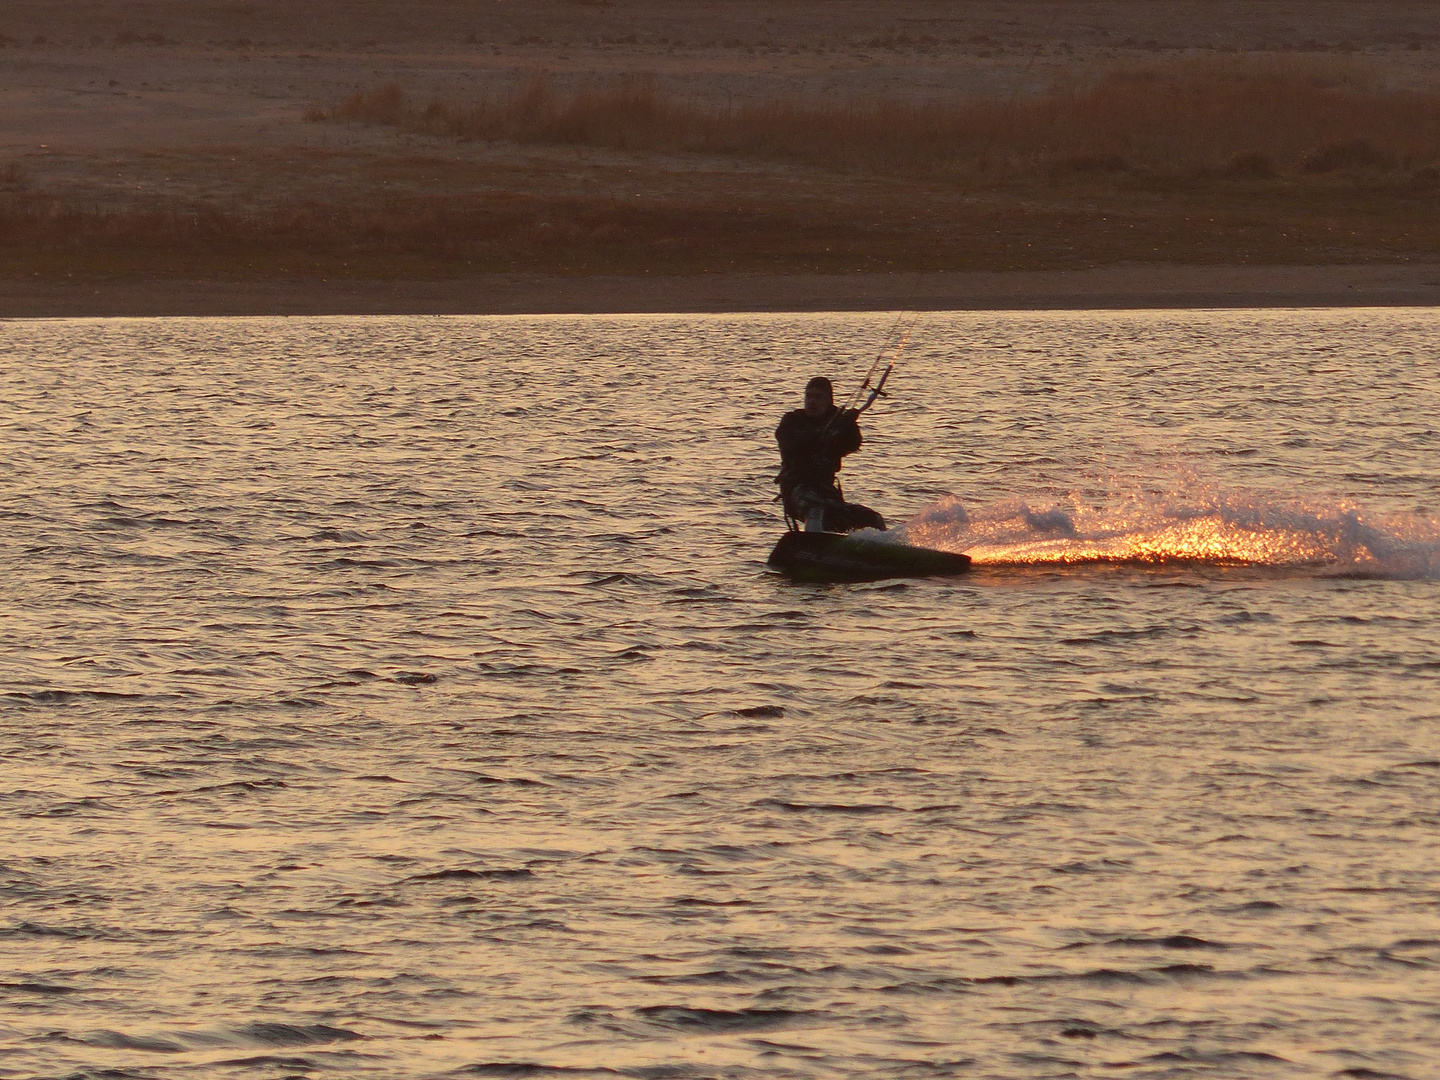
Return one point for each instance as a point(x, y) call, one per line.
point(819, 397)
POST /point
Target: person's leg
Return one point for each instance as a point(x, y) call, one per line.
point(862, 517)
point(847, 517)
point(809, 506)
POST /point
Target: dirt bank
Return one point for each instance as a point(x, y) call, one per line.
point(1145, 286)
point(149, 146)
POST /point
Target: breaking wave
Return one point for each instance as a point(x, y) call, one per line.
point(1216, 529)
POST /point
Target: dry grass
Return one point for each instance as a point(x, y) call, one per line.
point(1176, 163)
point(1194, 118)
point(916, 229)
point(425, 236)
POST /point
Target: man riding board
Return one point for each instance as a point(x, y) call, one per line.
point(813, 440)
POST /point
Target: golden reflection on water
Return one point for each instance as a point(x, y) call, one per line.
point(1199, 527)
point(1205, 540)
point(406, 697)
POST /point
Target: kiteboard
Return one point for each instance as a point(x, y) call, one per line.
point(827, 556)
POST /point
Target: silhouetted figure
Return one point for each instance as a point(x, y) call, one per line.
point(813, 440)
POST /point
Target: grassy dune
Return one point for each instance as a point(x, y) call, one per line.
point(1195, 118)
point(421, 236)
point(444, 236)
point(1191, 162)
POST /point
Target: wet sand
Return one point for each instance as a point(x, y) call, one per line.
point(1115, 287)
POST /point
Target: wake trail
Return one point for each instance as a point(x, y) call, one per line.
point(1222, 529)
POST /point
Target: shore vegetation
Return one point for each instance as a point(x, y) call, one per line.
point(1216, 160)
point(1226, 118)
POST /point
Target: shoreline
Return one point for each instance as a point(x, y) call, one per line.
point(1131, 286)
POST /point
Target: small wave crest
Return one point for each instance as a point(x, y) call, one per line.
point(1209, 528)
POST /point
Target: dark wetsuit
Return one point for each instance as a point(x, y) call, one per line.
point(810, 450)
point(810, 454)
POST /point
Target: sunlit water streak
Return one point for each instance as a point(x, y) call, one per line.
point(407, 697)
point(1185, 526)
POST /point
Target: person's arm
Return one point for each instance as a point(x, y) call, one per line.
point(846, 435)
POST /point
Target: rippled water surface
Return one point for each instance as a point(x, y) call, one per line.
point(407, 697)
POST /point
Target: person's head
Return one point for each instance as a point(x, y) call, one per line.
point(819, 396)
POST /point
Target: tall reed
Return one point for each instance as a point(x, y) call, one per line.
point(1194, 116)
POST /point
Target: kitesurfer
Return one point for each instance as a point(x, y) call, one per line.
point(813, 440)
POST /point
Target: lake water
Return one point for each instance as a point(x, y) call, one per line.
point(407, 697)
